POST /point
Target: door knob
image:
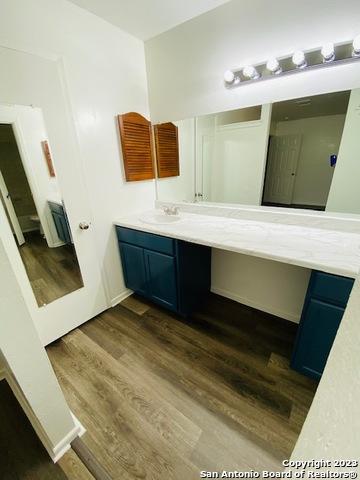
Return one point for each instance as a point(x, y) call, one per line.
point(84, 226)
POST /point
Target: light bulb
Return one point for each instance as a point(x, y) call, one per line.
point(299, 59)
point(273, 66)
point(250, 72)
point(328, 52)
point(356, 46)
point(229, 76)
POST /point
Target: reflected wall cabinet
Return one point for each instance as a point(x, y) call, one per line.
point(172, 273)
point(167, 150)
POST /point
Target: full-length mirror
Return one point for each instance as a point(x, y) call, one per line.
point(31, 198)
point(300, 153)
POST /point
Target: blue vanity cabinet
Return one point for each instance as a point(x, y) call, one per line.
point(323, 310)
point(61, 222)
point(134, 268)
point(171, 273)
point(161, 277)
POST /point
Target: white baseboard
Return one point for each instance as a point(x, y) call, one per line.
point(64, 445)
point(264, 308)
point(56, 244)
point(119, 298)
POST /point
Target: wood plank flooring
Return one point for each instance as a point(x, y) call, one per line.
point(164, 397)
point(52, 272)
point(22, 456)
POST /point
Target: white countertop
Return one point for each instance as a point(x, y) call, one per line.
point(331, 251)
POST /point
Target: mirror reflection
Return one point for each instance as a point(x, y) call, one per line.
point(298, 153)
point(32, 201)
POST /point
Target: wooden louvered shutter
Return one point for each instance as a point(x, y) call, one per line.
point(137, 146)
point(167, 150)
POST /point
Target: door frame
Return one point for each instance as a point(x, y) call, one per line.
point(45, 220)
point(8, 204)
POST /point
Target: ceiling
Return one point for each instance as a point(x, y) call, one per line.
point(147, 18)
point(315, 106)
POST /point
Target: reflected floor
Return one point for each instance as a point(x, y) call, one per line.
point(53, 272)
point(319, 208)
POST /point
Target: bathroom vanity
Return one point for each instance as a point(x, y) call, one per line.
point(170, 272)
point(167, 260)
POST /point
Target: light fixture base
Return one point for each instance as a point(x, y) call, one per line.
point(344, 53)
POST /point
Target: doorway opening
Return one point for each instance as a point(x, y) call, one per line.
point(304, 142)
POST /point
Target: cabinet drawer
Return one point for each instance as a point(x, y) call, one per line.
point(332, 288)
point(146, 240)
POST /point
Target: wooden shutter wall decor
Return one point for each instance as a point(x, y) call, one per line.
point(167, 150)
point(137, 146)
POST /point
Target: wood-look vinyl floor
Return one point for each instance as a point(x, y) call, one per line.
point(22, 456)
point(52, 272)
point(164, 397)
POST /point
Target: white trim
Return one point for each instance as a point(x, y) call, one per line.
point(119, 298)
point(57, 451)
point(57, 244)
point(65, 444)
point(239, 125)
point(259, 306)
point(30, 51)
point(81, 427)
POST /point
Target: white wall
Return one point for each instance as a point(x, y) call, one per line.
point(27, 368)
point(181, 188)
point(105, 75)
point(237, 164)
point(186, 64)
point(273, 287)
point(344, 194)
point(321, 137)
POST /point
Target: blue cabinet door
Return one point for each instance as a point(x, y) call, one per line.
point(62, 228)
point(133, 262)
point(317, 331)
point(161, 276)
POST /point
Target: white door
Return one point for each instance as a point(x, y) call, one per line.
point(70, 310)
point(6, 199)
point(282, 162)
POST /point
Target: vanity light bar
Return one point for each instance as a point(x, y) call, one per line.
point(328, 55)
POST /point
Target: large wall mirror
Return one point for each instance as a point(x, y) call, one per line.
point(301, 153)
point(31, 198)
